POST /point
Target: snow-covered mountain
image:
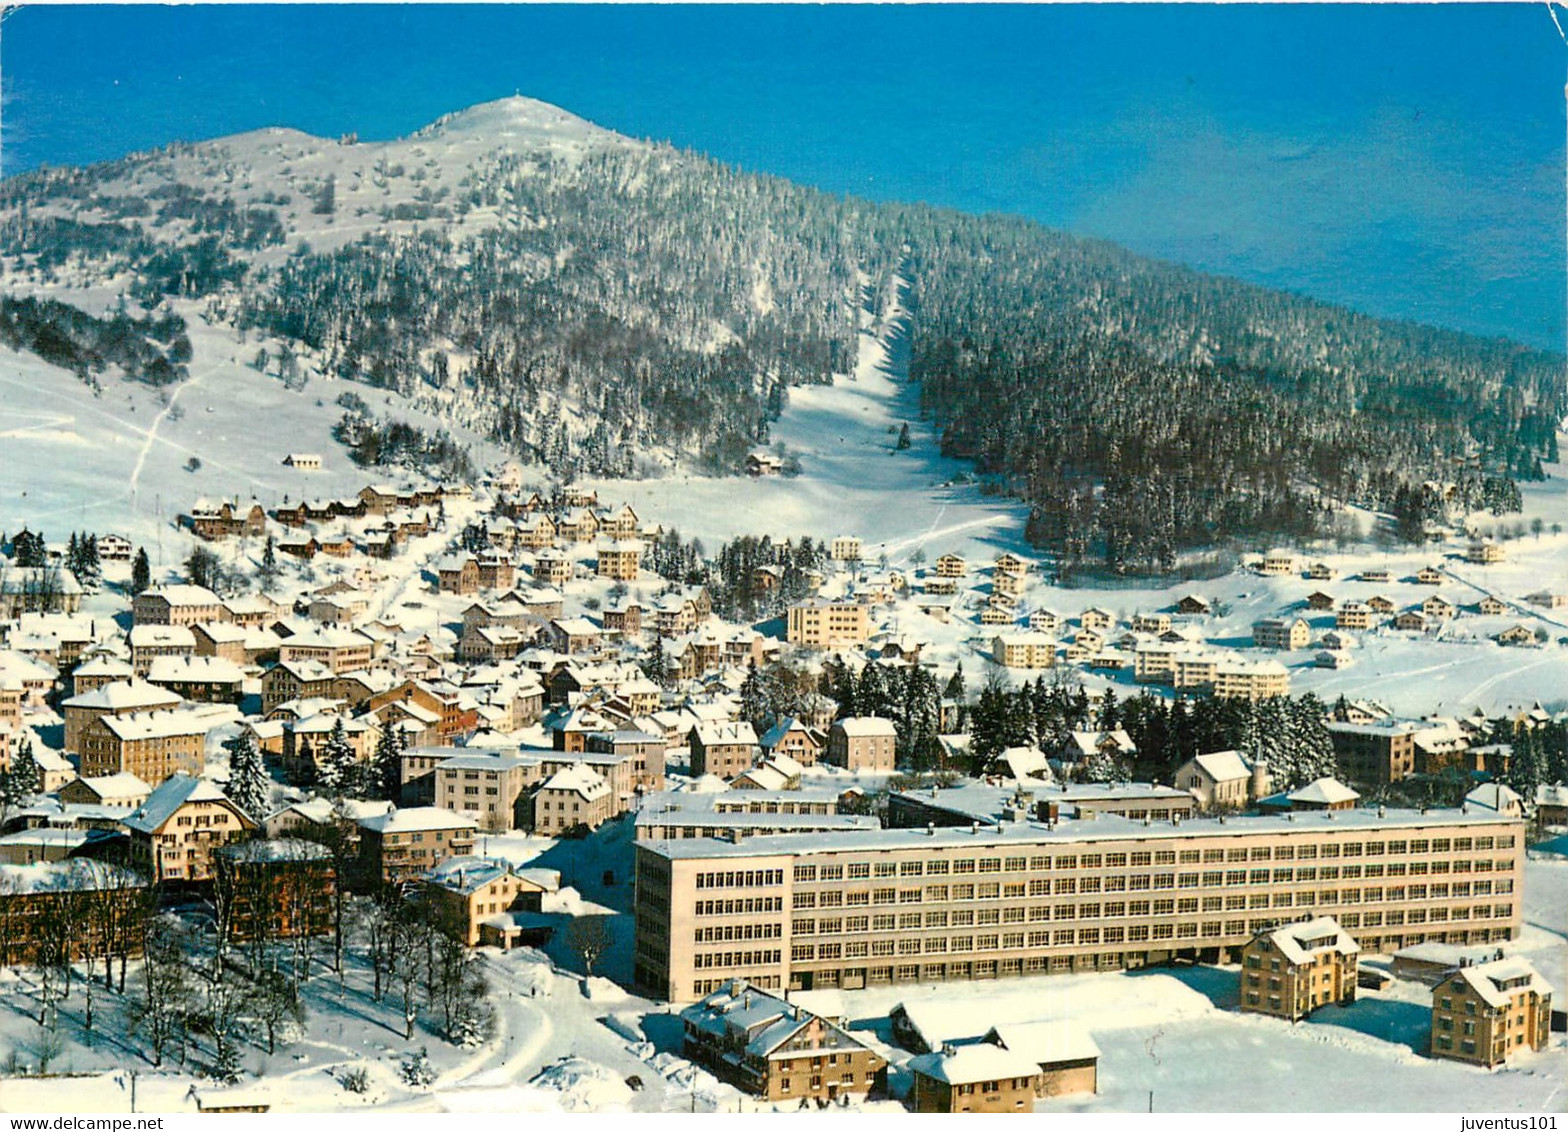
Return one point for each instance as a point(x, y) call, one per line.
point(613, 307)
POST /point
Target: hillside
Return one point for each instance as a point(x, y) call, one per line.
point(614, 308)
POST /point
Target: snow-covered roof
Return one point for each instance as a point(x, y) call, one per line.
point(176, 790)
point(161, 636)
point(183, 595)
point(724, 732)
point(263, 850)
point(1495, 981)
point(969, 1064)
point(1046, 1043)
point(1300, 942)
point(121, 785)
point(1494, 796)
point(415, 819)
point(578, 779)
point(1223, 766)
point(124, 695)
point(199, 669)
point(865, 726)
point(1325, 791)
point(142, 725)
point(77, 874)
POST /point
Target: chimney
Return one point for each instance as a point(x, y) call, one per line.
point(930, 829)
point(1382, 810)
point(974, 827)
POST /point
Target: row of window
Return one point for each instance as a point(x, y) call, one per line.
point(741, 878)
point(1144, 859)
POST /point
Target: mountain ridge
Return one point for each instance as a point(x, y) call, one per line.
point(610, 306)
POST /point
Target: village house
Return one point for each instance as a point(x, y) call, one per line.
point(458, 575)
point(764, 1046)
point(150, 641)
point(490, 788)
point(1321, 572)
point(724, 749)
point(1291, 971)
point(1439, 608)
point(859, 743)
point(1024, 650)
point(1429, 576)
point(32, 897)
point(789, 736)
point(1377, 603)
point(115, 698)
point(226, 518)
point(1374, 754)
point(845, 548)
point(775, 774)
point(294, 680)
point(1354, 615)
point(618, 560)
point(1320, 602)
point(1281, 633)
point(480, 900)
point(199, 679)
point(177, 605)
point(1410, 622)
point(1490, 606)
point(340, 650)
point(973, 1078)
point(763, 464)
point(951, 566)
point(574, 797)
point(1483, 552)
point(402, 845)
point(114, 548)
point(173, 833)
point(111, 791)
point(1068, 1058)
point(1277, 563)
point(1488, 1012)
point(224, 640)
point(152, 745)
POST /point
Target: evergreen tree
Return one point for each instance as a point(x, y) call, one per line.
point(249, 786)
point(335, 760)
point(26, 778)
point(388, 762)
point(756, 705)
point(202, 568)
point(141, 572)
point(269, 566)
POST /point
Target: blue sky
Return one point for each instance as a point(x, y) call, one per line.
point(1407, 160)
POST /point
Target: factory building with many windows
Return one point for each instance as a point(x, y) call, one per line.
point(796, 912)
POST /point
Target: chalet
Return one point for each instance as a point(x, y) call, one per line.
point(294, 680)
point(1380, 577)
point(1277, 563)
point(114, 548)
point(1491, 607)
point(1377, 603)
point(1548, 600)
point(1429, 576)
point(226, 519)
point(340, 650)
point(458, 575)
point(763, 464)
point(1439, 608)
point(1410, 622)
point(1353, 615)
point(552, 568)
point(577, 524)
point(1483, 552)
point(1191, 605)
point(1325, 793)
point(623, 617)
point(1289, 972)
point(1045, 621)
point(1096, 619)
point(1320, 601)
point(1321, 572)
point(223, 640)
point(1332, 658)
point(1516, 635)
point(97, 672)
point(951, 566)
point(574, 635)
point(793, 738)
point(174, 832)
point(303, 461)
point(38, 589)
point(302, 548)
